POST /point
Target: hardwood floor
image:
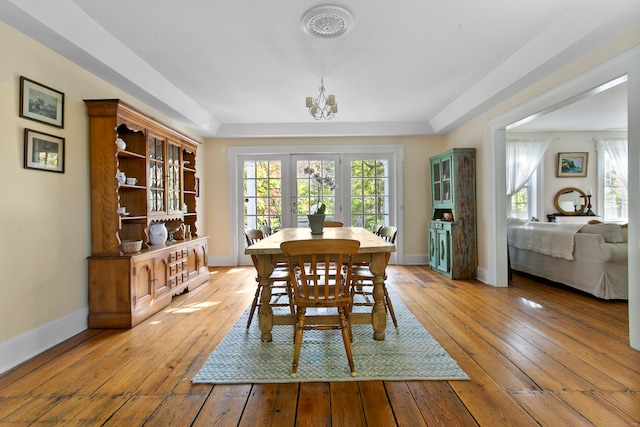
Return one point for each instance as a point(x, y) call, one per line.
point(536, 355)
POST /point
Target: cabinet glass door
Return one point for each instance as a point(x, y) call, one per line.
point(446, 180)
point(156, 175)
point(436, 182)
point(173, 178)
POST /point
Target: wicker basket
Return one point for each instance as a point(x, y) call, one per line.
point(129, 246)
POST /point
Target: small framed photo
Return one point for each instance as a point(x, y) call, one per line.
point(43, 151)
point(572, 165)
point(197, 187)
point(41, 103)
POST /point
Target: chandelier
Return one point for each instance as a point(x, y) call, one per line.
point(322, 107)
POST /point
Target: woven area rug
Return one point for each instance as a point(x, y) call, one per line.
point(407, 353)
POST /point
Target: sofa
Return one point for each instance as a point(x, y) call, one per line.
point(592, 258)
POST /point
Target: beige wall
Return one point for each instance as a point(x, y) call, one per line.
point(45, 216)
point(417, 205)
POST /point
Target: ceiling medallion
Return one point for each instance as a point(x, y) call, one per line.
point(327, 22)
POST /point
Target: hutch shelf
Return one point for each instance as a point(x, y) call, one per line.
point(452, 227)
point(127, 288)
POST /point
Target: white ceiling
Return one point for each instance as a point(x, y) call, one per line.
point(243, 68)
point(602, 109)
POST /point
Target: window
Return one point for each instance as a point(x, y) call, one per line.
point(612, 205)
point(523, 204)
point(519, 203)
point(615, 194)
point(524, 165)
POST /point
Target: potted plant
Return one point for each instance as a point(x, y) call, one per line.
point(317, 212)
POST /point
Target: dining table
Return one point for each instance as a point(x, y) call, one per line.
point(373, 251)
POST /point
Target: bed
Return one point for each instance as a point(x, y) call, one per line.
point(592, 258)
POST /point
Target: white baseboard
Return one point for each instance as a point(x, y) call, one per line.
point(481, 275)
point(24, 347)
point(221, 261)
point(415, 259)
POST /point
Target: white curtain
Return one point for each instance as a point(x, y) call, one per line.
point(618, 152)
point(523, 157)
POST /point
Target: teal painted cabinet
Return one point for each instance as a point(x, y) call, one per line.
point(452, 226)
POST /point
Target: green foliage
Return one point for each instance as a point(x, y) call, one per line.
point(519, 203)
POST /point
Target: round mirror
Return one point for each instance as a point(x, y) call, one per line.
point(570, 201)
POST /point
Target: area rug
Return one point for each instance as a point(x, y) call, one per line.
point(407, 353)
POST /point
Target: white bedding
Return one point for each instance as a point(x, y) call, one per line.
point(547, 238)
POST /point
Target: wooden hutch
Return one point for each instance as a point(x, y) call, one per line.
point(127, 288)
point(452, 228)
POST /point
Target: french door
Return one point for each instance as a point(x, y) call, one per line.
point(279, 190)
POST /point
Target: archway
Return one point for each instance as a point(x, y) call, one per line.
point(626, 64)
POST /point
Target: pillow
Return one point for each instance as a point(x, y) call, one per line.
point(625, 233)
point(612, 233)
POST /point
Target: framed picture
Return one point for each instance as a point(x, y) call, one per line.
point(43, 151)
point(41, 103)
point(197, 187)
point(572, 164)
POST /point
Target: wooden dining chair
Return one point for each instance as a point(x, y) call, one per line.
point(253, 235)
point(333, 224)
point(266, 230)
point(363, 278)
point(320, 271)
point(278, 280)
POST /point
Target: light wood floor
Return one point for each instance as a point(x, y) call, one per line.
point(536, 355)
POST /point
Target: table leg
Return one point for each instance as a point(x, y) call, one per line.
point(379, 314)
point(265, 313)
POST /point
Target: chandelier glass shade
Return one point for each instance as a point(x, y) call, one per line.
point(322, 107)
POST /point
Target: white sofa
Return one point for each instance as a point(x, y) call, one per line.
point(598, 267)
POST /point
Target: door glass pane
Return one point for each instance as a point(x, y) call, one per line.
point(369, 193)
point(315, 185)
point(262, 194)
